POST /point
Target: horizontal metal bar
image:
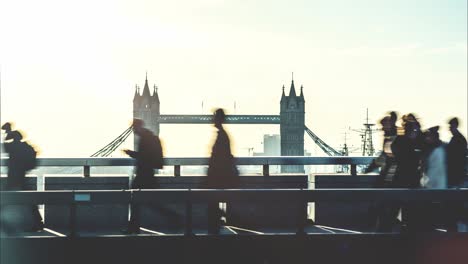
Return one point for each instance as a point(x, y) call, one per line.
point(229, 119)
point(284, 160)
point(244, 195)
point(65, 197)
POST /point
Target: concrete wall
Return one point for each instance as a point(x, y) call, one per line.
point(257, 214)
point(89, 217)
point(167, 216)
point(17, 217)
point(343, 214)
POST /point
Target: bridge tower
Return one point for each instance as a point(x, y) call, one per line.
point(147, 107)
point(292, 126)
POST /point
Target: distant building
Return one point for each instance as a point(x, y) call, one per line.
point(147, 107)
point(292, 127)
point(271, 147)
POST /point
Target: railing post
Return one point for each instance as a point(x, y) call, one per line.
point(266, 170)
point(301, 218)
point(353, 170)
point(176, 170)
point(86, 171)
point(188, 218)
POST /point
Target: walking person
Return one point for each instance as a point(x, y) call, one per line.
point(222, 172)
point(148, 156)
point(21, 159)
point(386, 162)
point(434, 167)
point(456, 170)
point(406, 150)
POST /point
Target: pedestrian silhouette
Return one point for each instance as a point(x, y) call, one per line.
point(222, 171)
point(406, 150)
point(21, 159)
point(148, 156)
point(456, 171)
point(386, 162)
point(456, 156)
point(428, 215)
point(434, 163)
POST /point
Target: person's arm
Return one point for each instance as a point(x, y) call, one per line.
point(131, 153)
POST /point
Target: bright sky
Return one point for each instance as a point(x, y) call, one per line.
point(69, 68)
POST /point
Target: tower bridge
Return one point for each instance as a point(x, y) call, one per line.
point(146, 106)
point(291, 119)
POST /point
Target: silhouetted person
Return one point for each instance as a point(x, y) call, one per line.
point(222, 172)
point(386, 162)
point(392, 120)
point(428, 214)
point(456, 156)
point(406, 150)
point(434, 164)
point(17, 167)
point(148, 157)
point(456, 170)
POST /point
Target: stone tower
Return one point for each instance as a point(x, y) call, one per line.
point(292, 127)
point(146, 107)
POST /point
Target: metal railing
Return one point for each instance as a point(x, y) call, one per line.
point(189, 197)
point(87, 163)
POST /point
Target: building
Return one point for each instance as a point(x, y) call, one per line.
point(147, 107)
point(292, 126)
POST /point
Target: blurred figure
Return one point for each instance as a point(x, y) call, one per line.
point(386, 159)
point(456, 170)
point(149, 156)
point(21, 159)
point(393, 117)
point(434, 164)
point(430, 214)
point(222, 172)
point(386, 162)
point(456, 156)
point(406, 150)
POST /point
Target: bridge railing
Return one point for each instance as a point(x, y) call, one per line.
point(87, 163)
point(189, 197)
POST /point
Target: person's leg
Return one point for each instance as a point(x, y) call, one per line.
point(388, 217)
point(38, 224)
point(213, 218)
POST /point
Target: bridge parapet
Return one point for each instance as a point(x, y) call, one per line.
point(87, 163)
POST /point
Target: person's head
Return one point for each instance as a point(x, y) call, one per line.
point(218, 118)
point(431, 136)
point(15, 135)
point(411, 126)
point(138, 125)
point(7, 127)
point(386, 124)
point(453, 125)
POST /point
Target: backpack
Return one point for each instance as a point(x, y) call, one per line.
point(156, 154)
point(28, 156)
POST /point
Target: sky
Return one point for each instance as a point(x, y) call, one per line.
point(69, 68)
